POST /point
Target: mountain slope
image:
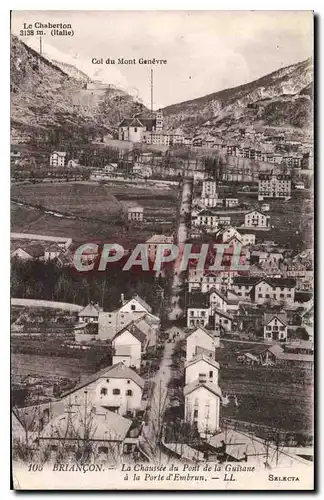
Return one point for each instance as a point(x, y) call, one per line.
point(281, 98)
point(45, 98)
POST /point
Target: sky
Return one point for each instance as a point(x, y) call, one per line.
point(206, 51)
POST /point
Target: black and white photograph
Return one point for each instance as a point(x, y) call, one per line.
point(162, 250)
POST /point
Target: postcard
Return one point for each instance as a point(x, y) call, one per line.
point(162, 250)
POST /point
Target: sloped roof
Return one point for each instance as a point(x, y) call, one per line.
point(202, 357)
point(134, 330)
point(267, 317)
point(213, 388)
point(90, 310)
point(143, 303)
point(223, 313)
point(219, 293)
point(34, 250)
point(59, 153)
point(118, 370)
point(208, 332)
point(104, 425)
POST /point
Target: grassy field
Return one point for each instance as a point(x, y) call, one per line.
point(97, 206)
point(24, 364)
point(278, 397)
point(80, 199)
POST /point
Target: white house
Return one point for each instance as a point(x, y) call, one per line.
point(201, 369)
point(262, 290)
point(217, 300)
point(231, 202)
point(209, 188)
point(135, 213)
point(198, 310)
point(229, 232)
point(89, 314)
point(110, 167)
point(52, 252)
point(206, 218)
point(57, 159)
point(117, 388)
point(131, 310)
point(136, 341)
point(202, 407)
point(275, 326)
point(29, 252)
point(201, 337)
point(154, 241)
point(223, 320)
point(256, 219)
point(248, 239)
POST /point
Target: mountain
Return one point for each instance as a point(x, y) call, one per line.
point(49, 98)
point(71, 71)
point(281, 98)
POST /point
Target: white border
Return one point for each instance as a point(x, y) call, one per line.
point(316, 5)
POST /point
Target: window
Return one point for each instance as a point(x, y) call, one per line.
point(116, 391)
point(135, 129)
point(268, 327)
point(103, 391)
point(133, 307)
point(282, 328)
point(107, 380)
point(195, 414)
point(128, 381)
point(129, 392)
point(211, 374)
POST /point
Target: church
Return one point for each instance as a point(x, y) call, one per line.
point(137, 128)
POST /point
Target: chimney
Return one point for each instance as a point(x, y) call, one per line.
point(122, 298)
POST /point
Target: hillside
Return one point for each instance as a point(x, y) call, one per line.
point(49, 101)
point(282, 98)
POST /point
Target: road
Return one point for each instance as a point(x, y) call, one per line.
point(175, 310)
point(159, 398)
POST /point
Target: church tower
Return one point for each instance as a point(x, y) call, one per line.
point(159, 121)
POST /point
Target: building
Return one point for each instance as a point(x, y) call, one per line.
point(261, 290)
point(108, 433)
point(202, 407)
point(117, 388)
point(275, 326)
point(207, 219)
point(257, 220)
point(154, 241)
point(136, 128)
point(274, 186)
point(217, 300)
point(132, 310)
point(29, 252)
point(203, 338)
point(201, 369)
point(248, 239)
point(135, 213)
point(209, 188)
point(52, 252)
point(57, 159)
point(231, 202)
point(110, 168)
point(198, 310)
point(222, 320)
point(74, 163)
point(89, 314)
point(135, 340)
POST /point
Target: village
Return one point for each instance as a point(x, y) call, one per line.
point(163, 355)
